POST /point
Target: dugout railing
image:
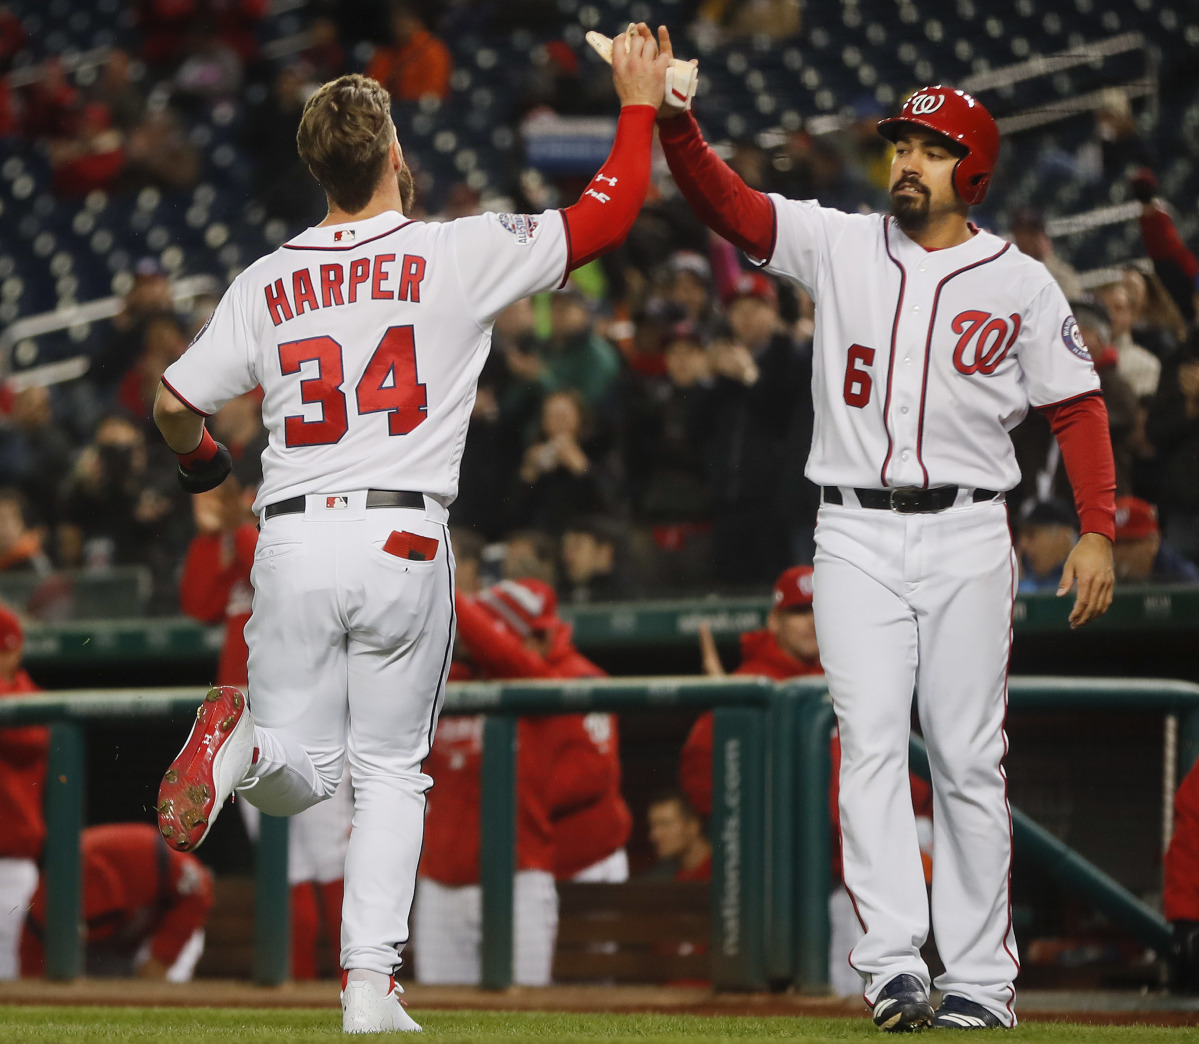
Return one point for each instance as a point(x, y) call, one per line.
point(769, 827)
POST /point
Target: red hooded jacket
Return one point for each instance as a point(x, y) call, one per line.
point(23, 754)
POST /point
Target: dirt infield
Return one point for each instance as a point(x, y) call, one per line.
point(1098, 1008)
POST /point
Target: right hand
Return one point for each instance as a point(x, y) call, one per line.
point(639, 69)
point(708, 652)
point(665, 112)
point(204, 475)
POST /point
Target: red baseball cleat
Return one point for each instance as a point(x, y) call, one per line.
point(213, 761)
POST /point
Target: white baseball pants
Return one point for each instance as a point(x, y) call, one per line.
point(449, 931)
point(349, 653)
point(18, 882)
point(612, 869)
point(925, 601)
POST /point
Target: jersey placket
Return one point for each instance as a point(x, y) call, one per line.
point(909, 374)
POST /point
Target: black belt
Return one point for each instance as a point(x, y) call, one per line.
point(375, 498)
point(909, 500)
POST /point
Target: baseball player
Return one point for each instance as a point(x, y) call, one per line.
point(1180, 885)
point(558, 769)
point(144, 906)
point(23, 754)
point(933, 338)
point(367, 333)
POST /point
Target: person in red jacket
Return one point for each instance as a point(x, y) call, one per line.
point(787, 648)
point(23, 753)
point(558, 767)
point(215, 588)
point(589, 838)
point(1180, 894)
point(144, 906)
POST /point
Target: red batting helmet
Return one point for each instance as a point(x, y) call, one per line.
point(962, 119)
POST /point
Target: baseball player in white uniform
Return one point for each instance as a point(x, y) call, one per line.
point(366, 334)
point(933, 339)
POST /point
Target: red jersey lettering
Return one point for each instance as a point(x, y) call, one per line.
point(277, 303)
point(360, 272)
point(303, 292)
point(381, 273)
point(410, 278)
point(331, 280)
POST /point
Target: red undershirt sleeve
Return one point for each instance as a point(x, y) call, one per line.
point(606, 210)
point(1081, 429)
point(714, 191)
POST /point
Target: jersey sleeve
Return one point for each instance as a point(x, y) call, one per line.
point(1053, 358)
point(502, 258)
point(805, 236)
point(218, 364)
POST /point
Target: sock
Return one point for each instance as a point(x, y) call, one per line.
point(381, 982)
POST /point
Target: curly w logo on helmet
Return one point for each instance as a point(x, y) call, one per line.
point(923, 104)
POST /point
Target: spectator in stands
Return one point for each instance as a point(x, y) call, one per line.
point(1028, 233)
point(563, 473)
point(324, 54)
point(590, 571)
point(666, 432)
point(20, 547)
point(1120, 142)
point(35, 453)
point(1173, 429)
point(118, 511)
point(115, 89)
point(162, 343)
point(13, 38)
point(1138, 366)
point(762, 389)
point(144, 906)
point(676, 831)
point(238, 426)
point(416, 64)
point(1156, 322)
point(160, 154)
point(691, 289)
point(530, 554)
point(23, 753)
point(282, 183)
point(1047, 531)
point(89, 156)
point(48, 103)
point(1139, 552)
point(730, 19)
point(1173, 261)
point(1094, 325)
point(468, 545)
point(574, 356)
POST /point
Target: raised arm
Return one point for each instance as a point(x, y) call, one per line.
point(717, 195)
point(606, 210)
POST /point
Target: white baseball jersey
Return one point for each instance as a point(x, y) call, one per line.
point(924, 360)
point(367, 340)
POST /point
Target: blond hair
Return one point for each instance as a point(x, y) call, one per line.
point(344, 138)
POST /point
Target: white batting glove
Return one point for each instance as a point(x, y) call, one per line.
point(681, 77)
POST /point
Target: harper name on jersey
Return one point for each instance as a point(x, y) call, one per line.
point(903, 333)
point(336, 289)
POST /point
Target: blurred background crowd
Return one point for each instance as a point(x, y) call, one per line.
point(645, 428)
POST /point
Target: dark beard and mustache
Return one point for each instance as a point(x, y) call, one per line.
point(407, 186)
point(910, 212)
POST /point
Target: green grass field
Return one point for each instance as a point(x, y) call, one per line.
point(51, 1025)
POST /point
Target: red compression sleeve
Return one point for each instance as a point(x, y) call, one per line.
point(606, 210)
point(1081, 429)
point(1163, 243)
point(719, 198)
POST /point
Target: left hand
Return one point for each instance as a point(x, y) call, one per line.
point(1090, 564)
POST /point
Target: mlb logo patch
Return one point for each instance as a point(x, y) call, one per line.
point(335, 503)
point(344, 235)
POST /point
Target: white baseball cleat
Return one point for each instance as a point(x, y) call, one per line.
point(213, 761)
point(364, 1009)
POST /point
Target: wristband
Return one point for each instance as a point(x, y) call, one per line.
point(202, 453)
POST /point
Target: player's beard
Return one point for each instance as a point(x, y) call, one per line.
point(911, 213)
point(407, 186)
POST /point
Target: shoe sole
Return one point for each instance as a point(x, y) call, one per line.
point(187, 796)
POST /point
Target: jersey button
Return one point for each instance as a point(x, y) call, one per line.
point(903, 409)
point(923, 267)
point(915, 308)
point(904, 455)
point(907, 362)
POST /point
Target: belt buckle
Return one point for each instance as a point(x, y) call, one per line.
point(904, 500)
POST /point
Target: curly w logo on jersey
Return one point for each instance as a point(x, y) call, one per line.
point(985, 341)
